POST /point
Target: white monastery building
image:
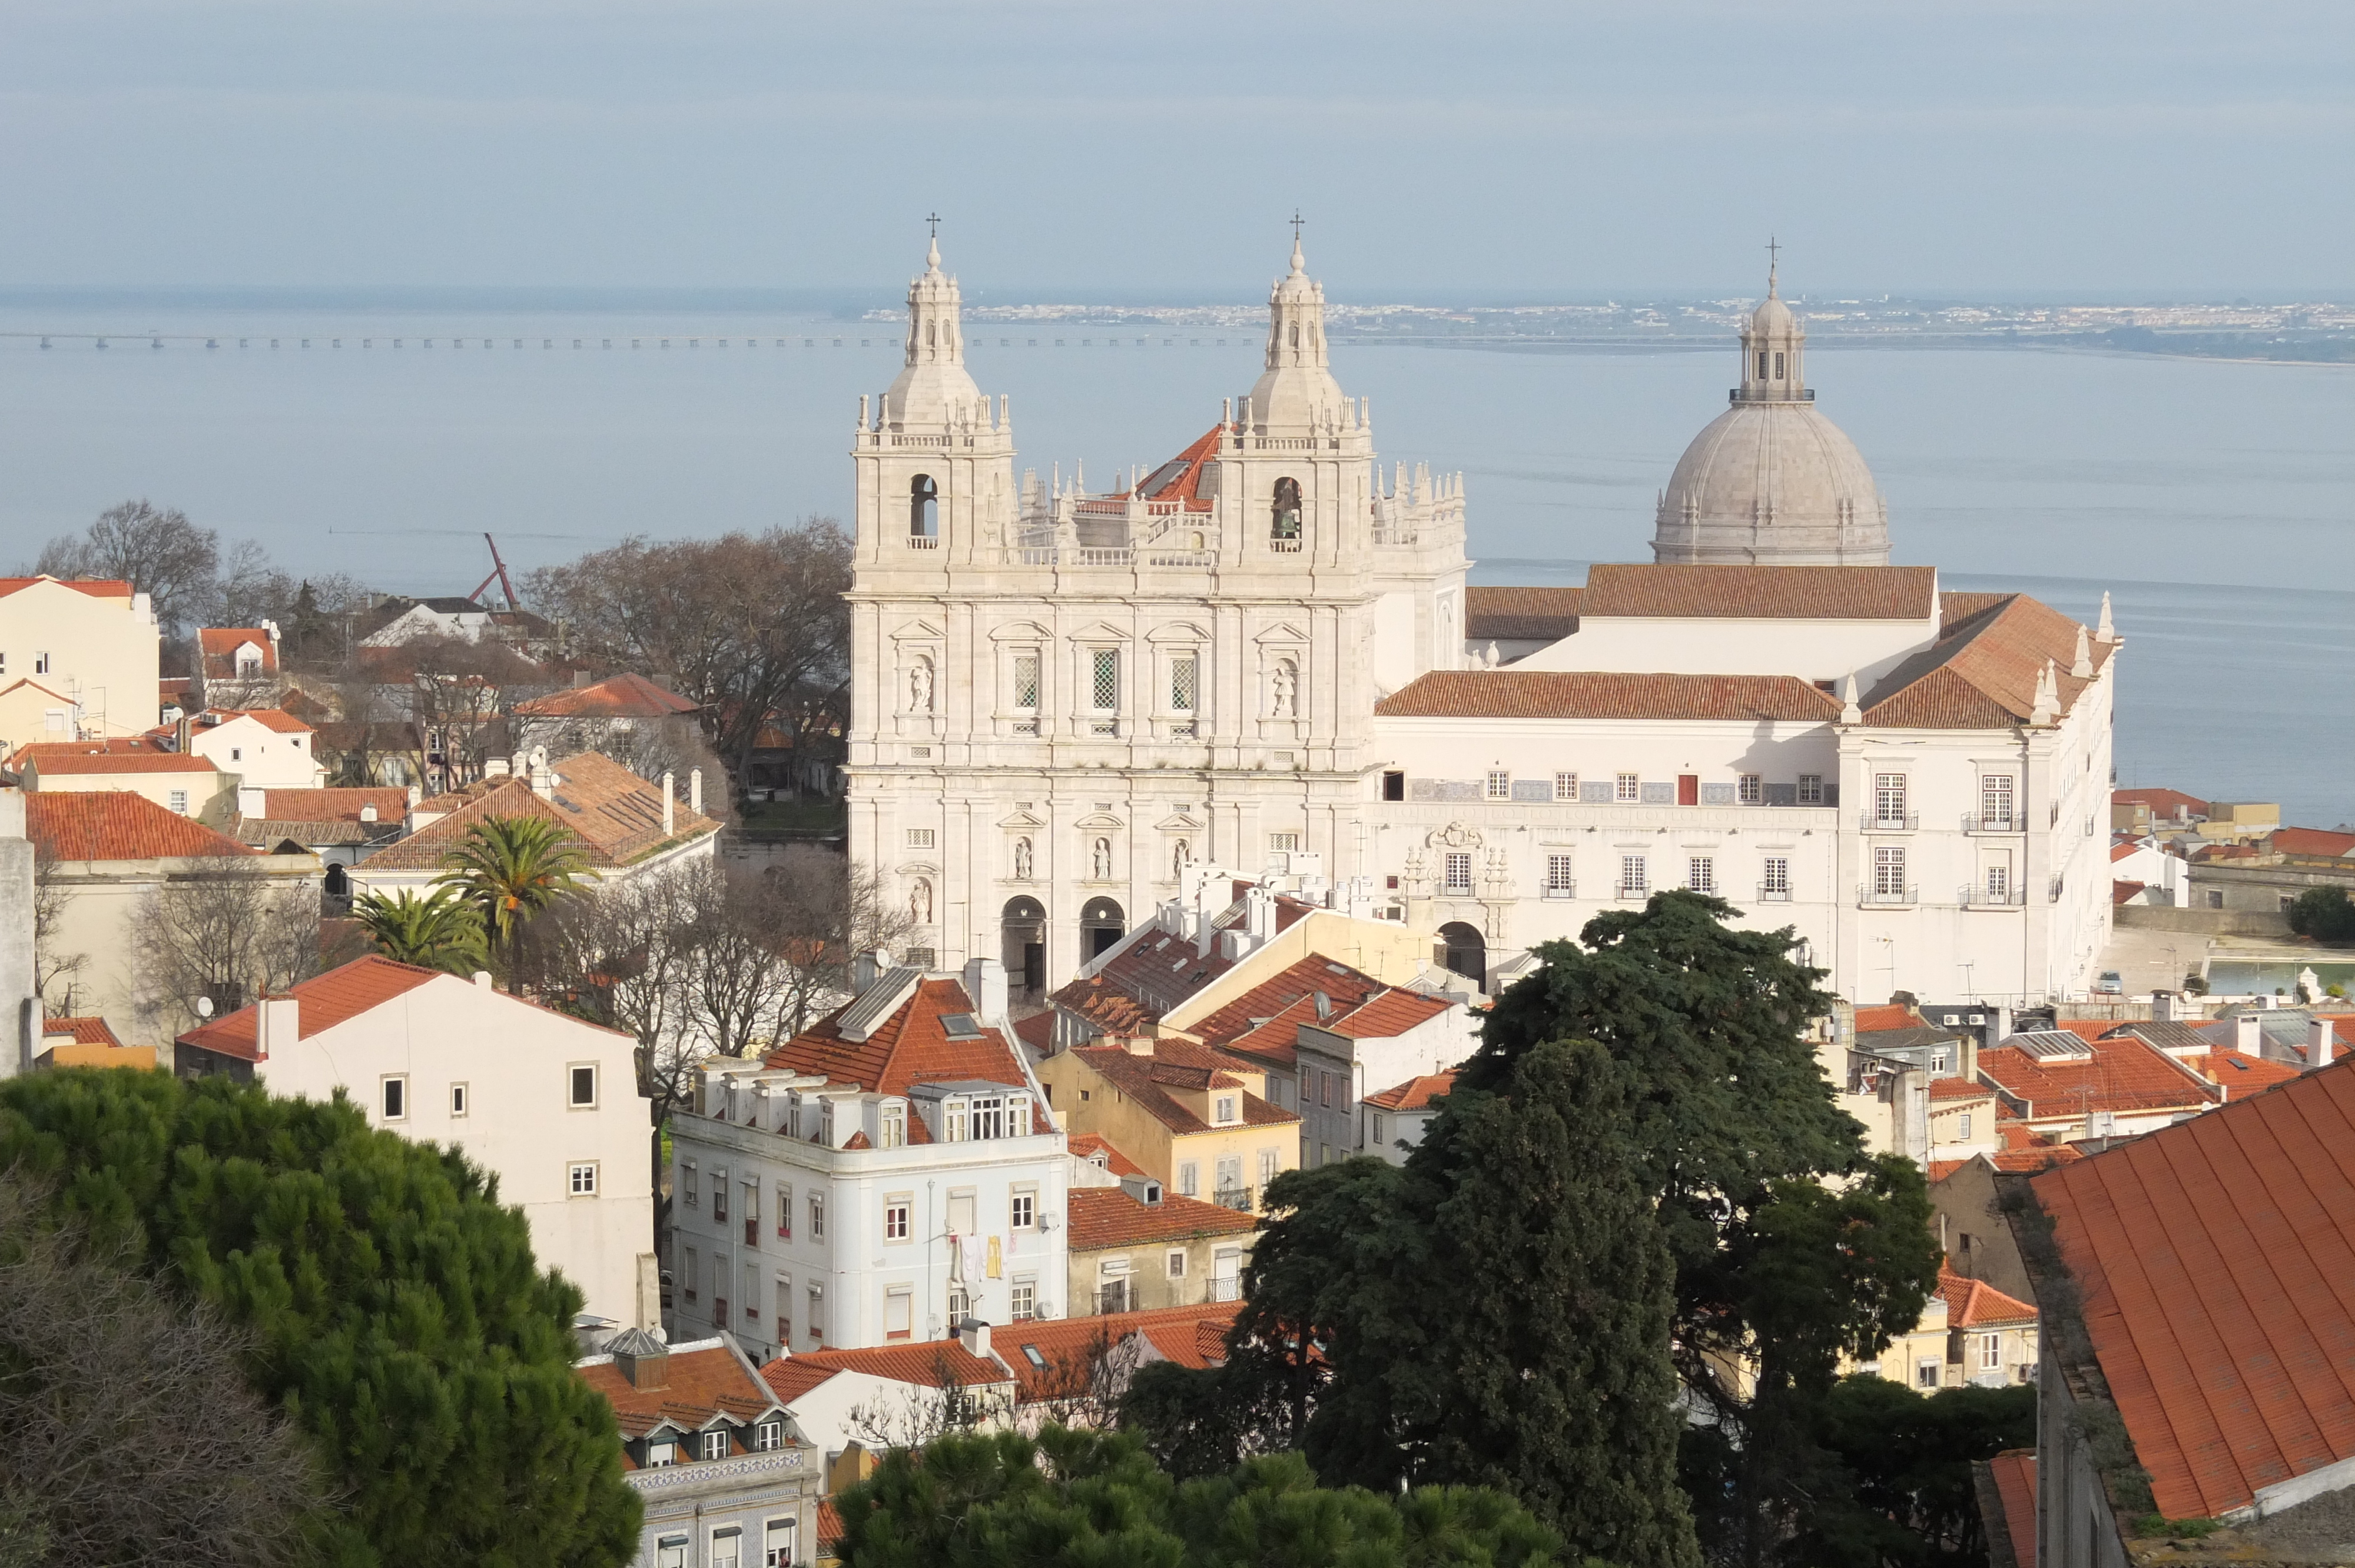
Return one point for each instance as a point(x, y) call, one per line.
point(1265, 653)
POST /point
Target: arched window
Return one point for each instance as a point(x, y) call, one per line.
point(1466, 950)
point(923, 508)
point(1101, 922)
point(1286, 523)
point(1023, 942)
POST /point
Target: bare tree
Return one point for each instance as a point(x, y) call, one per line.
point(916, 1414)
point(460, 692)
point(750, 626)
point(1082, 1386)
point(157, 550)
point(52, 961)
point(133, 1435)
point(826, 910)
point(225, 929)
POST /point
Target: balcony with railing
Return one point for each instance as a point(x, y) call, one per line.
point(1283, 546)
point(1234, 1198)
point(1986, 822)
point(1971, 897)
point(1767, 894)
point(924, 541)
point(1877, 821)
point(1225, 1290)
point(1561, 890)
point(1872, 895)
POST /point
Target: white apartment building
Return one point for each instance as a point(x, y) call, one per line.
point(544, 1102)
point(260, 749)
point(78, 660)
point(1258, 650)
point(880, 1177)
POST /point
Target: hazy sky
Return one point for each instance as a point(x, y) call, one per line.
point(2150, 149)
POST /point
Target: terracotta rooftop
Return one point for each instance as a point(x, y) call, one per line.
point(2162, 802)
point(2041, 1156)
point(114, 824)
point(1102, 1151)
point(627, 696)
point(611, 813)
point(97, 588)
point(2313, 842)
point(218, 646)
point(1415, 1093)
point(326, 1001)
point(699, 1384)
point(908, 1048)
point(1051, 1358)
point(1174, 1065)
point(1342, 987)
point(120, 754)
point(84, 1030)
point(2215, 1257)
point(1975, 1304)
point(930, 1363)
point(1588, 694)
point(1108, 1218)
point(2014, 1473)
point(1520, 614)
point(1147, 977)
point(1176, 481)
point(333, 805)
point(1891, 1016)
point(2122, 1074)
point(1959, 1089)
point(1811, 593)
point(1982, 671)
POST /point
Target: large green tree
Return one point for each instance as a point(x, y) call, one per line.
point(1086, 1498)
point(513, 870)
point(441, 931)
point(391, 1305)
point(1450, 1321)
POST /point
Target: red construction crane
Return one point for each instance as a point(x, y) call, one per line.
point(499, 575)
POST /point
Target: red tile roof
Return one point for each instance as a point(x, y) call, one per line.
point(326, 1001)
point(907, 1048)
point(1343, 987)
point(789, 1377)
point(927, 1362)
point(1174, 484)
point(97, 588)
point(119, 754)
point(1174, 1065)
point(2014, 1472)
point(1415, 1093)
point(2312, 842)
point(1813, 593)
point(2125, 1075)
point(218, 646)
point(1146, 979)
point(1387, 1014)
point(1067, 1347)
point(1102, 1151)
point(85, 1031)
point(2215, 1257)
point(627, 696)
point(1974, 1303)
point(1871, 1020)
point(610, 813)
point(698, 1385)
point(2027, 1161)
point(1959, 1089)
point(114, 824)
point(1982, 673)
point(333, 805)
point(2239, 1073)
point(1108, 1218)
point(1587, 695)
point(277, 720)
point(1520, 614)
point(2162, 802)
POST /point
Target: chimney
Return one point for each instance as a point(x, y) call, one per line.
point(867, 968)
point(367, 811)
point(973, 1335)
point(250, 800)
point(2162, 1007)
point(2318, 1043)
point(415, 795)
point(22, 1017)
point(643, 1360)
point(2249, 1035)
point(1138, 1045)
point(483, 978)
point(695, 791)
point(271, 628)
point(985, 987)
point(495, 768)
point(670, 804)
point(277, 1024)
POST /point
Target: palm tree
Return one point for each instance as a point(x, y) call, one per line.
point(512, 869)
point(441, 932)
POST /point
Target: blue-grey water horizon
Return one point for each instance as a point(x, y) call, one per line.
point(2211, 497)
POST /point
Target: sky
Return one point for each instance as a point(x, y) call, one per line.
point(1470, 151)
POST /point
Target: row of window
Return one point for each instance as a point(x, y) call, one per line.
point(1634, 789)
point(1634, 879)
point(1021, 1207)
point(898, 1300)
point(1227, 1174)
point(393, 1101)
point(777, 1547)
point(1181, 688)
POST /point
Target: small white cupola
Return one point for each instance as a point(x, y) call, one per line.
point(1772, 344)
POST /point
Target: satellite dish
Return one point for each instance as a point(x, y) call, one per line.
point(204, 1007)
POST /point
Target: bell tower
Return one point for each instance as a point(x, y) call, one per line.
point(934, 459)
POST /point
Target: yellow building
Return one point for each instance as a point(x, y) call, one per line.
point(183, 784)
point(1969, 1333)
point(91, 647)
point(1196, 1121)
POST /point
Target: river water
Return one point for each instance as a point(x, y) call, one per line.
point(2211, 498)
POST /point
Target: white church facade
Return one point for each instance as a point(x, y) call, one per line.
point(1263, 654)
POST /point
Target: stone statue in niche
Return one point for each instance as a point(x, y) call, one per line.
point(919, 902)
point(919, 686)
point(1103, 860)
point(1284, 689)
point(1021, 860)
point(1180, 858)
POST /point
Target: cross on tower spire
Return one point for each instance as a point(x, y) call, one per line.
point(1774, 258)
point(1297, 221)
point(935, 221)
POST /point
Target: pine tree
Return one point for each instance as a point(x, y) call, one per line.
point(396, 1311)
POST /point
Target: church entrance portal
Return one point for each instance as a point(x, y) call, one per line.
point(1100, 925)
point(1024, 948)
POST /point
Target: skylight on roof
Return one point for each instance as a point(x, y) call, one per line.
point(959, 1026)
point(1030, 1352)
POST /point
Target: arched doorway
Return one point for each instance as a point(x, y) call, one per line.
point(1100, 925)
point(1284, 527)
point(339, 882)
point(1467, 952)
point(1023, 949)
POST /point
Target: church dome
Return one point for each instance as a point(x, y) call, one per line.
point(1772, 481)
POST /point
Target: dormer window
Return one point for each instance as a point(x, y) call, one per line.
point(660, 1453)
point(1223, 1110)
point(715, 1444)
point(895, 1127)
point(826, 1122)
